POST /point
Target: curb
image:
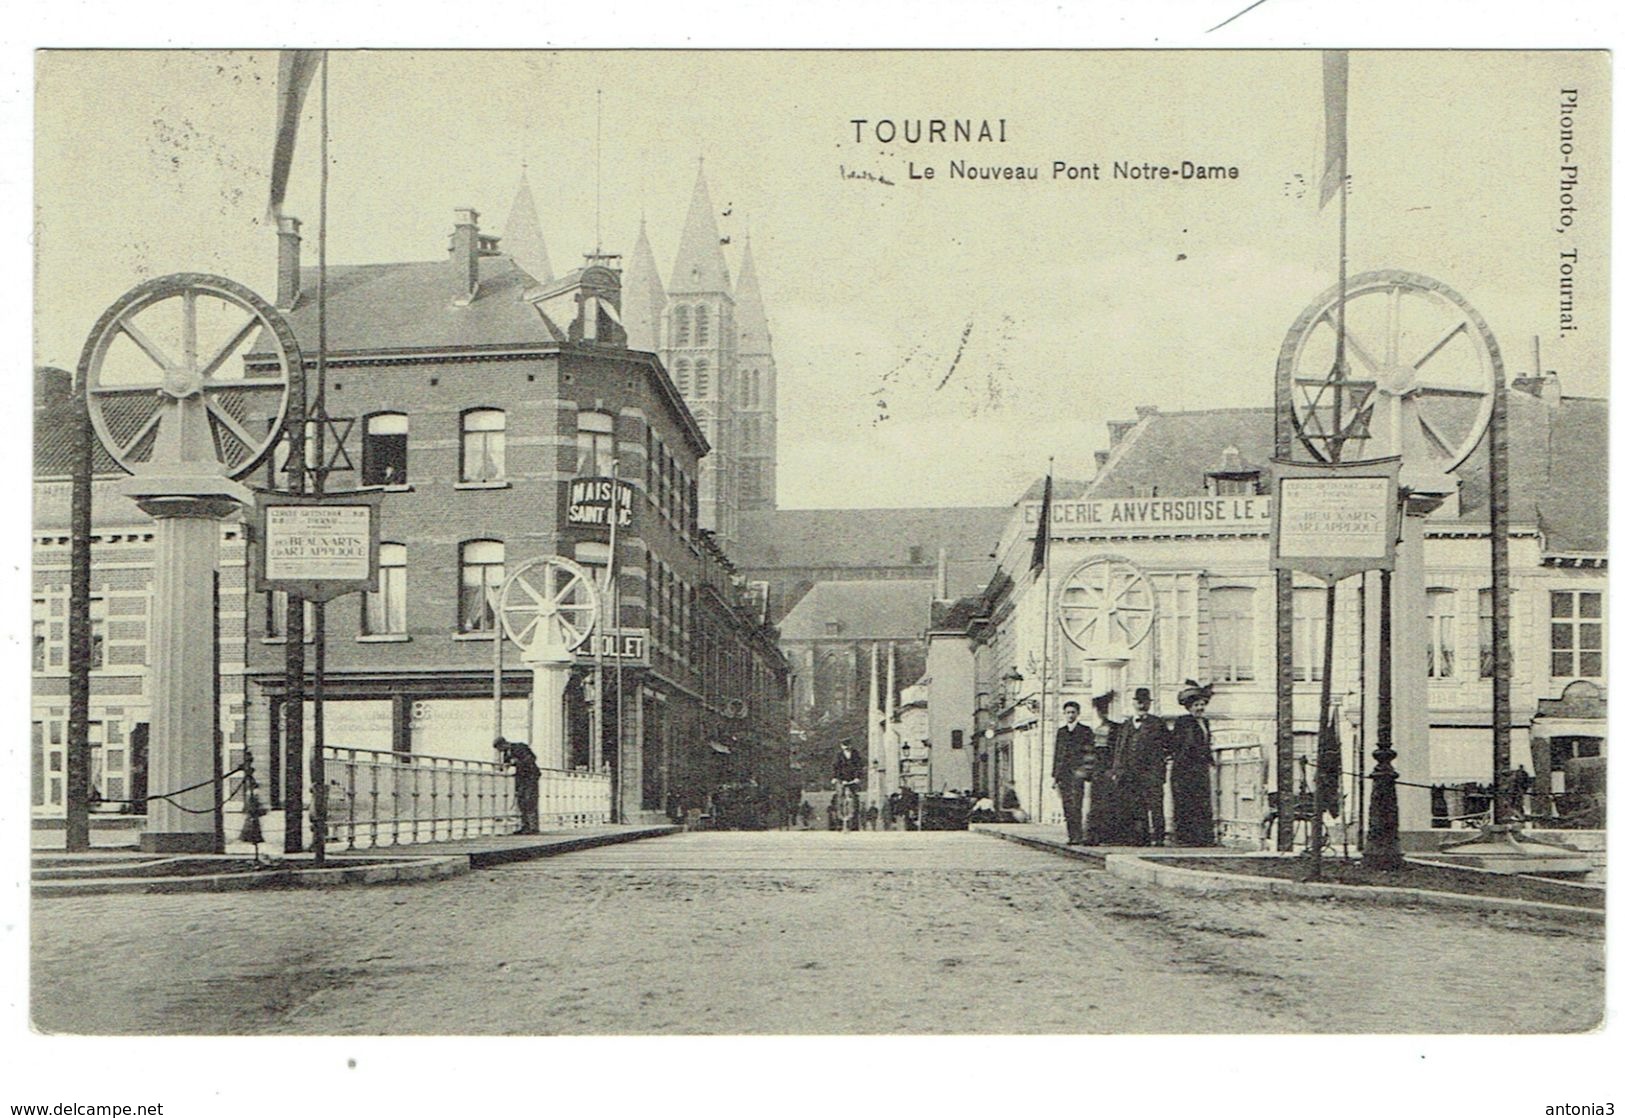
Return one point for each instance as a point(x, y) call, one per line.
point(484, 859)
point(1133, 868)
point(404, 870)
point(1044, 845)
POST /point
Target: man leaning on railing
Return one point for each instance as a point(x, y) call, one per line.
point(527, 774)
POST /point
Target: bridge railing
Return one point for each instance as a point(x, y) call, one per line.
point(382, 798)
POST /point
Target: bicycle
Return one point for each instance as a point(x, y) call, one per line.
point(846, 803)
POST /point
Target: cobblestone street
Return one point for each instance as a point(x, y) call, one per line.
point(796, 932)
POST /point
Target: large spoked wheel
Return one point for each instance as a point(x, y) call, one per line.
point(188, 365)
point(549, 602)
point(1417, 378)
point(1106, 607)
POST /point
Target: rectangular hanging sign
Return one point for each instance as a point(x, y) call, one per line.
point(1332, 521)
point(318, 548)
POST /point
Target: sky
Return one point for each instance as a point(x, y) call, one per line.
point(937, 340)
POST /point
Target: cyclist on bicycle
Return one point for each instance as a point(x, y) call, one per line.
point(848, 775)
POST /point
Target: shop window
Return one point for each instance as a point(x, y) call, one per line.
point(595, 443)
point(1441, 644)
point(484, 445)
point(1576, 634)
point(1231, 609)
point(384, 612)
point(481, 571)
point(383, 449)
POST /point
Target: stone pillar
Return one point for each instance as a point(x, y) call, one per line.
point(1410, 680)
point(550, 673)
point(181, 672)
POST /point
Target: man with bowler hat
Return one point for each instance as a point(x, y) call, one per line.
point(1141, 766)
point(1074, 754)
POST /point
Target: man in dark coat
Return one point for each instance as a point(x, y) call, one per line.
point(1140, 767)
point(527, 774)
point(1074, 754)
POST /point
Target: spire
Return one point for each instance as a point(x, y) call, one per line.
point(749, 314)
point(522, 235)
point(700, 266)
point(643, 299)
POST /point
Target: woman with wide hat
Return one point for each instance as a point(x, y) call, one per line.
point(1108, 818)
point(1190, 774)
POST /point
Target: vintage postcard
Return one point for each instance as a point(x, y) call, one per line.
point(692, 542)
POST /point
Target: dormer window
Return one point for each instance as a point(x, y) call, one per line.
point(1233, 477)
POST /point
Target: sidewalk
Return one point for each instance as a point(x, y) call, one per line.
point(1051, 837)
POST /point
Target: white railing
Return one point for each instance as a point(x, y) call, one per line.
point(380, 798)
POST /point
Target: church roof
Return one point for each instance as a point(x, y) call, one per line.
point(522, 236)
point(860, 610)
point(643, 298)
point(868, 538)
point(700, 266)
point(750, 317)
point(1558, 453)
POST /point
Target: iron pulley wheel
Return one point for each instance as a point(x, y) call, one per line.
point(190, 353)
point(1416, 377)
point(550, 602)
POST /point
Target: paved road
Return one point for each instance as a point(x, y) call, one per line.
point(797, 932)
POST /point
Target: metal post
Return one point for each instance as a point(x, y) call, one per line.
point(612, 606)
point(1317, 830)
point(1505, 811)
point(79, 633)
point(1382, 840)
point(318, 762)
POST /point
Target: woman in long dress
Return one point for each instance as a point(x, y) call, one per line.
point(1190, 774)
point(1108, 820)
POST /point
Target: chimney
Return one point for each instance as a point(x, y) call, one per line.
point(1101, 457)
point(287, 262)
point(1144, 410)
point(465, 254)
point(942, 573)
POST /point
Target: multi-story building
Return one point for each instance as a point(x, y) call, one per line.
point(473, 396)
point(1159, 571)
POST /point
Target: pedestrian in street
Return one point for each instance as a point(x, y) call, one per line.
point(1106, 815)
point(527, 775)
point(1191, 771)
point(1139, 768)
point(1519, 784)
point(1070, 769)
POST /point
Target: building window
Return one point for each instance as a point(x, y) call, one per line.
point(1441, 634)
point(383, 449)
point(484, 445)
point(40, 623)
point(480, 564)
point(702, 325)
point(276, 617)
point(683, 384)
point(1577, 634)
point(1232, 612)
point(1235, 486)
point(679, 321)
point(595, 443)
point(384, 612)
point(1486, 638)
point(1308, 634)
point(702, 378)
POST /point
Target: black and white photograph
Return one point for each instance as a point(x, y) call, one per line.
point(897, 543)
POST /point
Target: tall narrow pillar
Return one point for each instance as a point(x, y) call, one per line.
point(550, 672)
point(1410, 679)
point(181, 751)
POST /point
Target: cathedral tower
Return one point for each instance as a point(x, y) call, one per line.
point(756, 400)
point(699, 351)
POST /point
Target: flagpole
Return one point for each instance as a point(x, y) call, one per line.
point(318, 762)
point(1043, 678)
point(611, 606)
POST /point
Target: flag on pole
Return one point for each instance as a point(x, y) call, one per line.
point(294, 72)
point(1041, 538)
point(1335, 72)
